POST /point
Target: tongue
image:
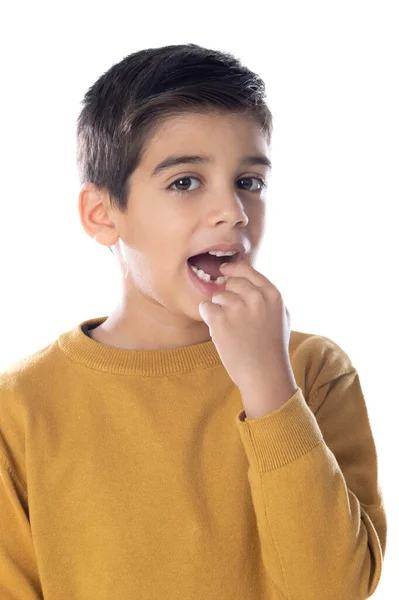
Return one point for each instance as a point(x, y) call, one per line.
point(208, 263)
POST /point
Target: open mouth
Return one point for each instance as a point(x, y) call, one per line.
point(206, 264)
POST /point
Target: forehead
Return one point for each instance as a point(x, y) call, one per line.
point(212, 133)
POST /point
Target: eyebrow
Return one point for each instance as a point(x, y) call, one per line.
point(172, 161)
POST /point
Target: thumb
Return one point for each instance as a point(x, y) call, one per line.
point(208, 311)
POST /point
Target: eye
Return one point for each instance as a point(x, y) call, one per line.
point(262, 184)
point(177, 181)
point(260, 181)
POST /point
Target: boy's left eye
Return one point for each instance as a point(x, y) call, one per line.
point(261, 182)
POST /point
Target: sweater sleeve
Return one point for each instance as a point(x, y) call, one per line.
point(19, 577)
point(314, 484)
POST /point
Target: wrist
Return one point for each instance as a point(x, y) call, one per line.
point(263, 396)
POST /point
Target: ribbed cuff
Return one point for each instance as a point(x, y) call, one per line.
point(280, 437)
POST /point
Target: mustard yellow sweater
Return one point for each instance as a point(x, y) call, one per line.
point(135, 474)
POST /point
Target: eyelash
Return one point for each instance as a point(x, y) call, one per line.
point(261, 181)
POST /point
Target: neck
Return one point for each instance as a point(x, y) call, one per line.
point(138, 330)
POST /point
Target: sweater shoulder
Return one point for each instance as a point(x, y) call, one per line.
point(28, 383)
point(320, 348)
point(27, 371)
point(23, 385)
point(317, 360)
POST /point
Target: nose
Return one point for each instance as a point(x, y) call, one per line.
point(228, 209)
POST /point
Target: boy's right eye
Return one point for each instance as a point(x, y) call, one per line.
point(177, 181)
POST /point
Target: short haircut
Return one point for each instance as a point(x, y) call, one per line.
point(126, 104)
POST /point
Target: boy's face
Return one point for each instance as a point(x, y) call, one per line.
point(162, 227)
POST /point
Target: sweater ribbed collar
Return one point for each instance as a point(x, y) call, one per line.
point(78, 346)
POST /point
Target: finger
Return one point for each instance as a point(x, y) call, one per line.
point(239, 285)
point(227, 298)
point(243, 269)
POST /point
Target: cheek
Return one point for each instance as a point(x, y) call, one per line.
point(156, 274)
point(257, 223)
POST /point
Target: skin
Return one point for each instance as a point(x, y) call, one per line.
point(158, 305)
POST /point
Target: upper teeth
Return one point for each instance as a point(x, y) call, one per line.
point(223, 252)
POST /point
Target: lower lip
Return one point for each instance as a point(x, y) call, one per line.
point(203, 286)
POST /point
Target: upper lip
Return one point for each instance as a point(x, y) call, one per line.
point(240, 248)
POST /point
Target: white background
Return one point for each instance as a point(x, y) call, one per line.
point(331, 242)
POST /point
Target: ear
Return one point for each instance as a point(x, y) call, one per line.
point(96, 214)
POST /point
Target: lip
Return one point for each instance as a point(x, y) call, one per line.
point(224, 246)
point(205, 288)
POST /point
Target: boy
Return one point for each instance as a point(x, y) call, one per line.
point(189, 445)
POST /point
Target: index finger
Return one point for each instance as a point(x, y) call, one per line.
point(243, 269)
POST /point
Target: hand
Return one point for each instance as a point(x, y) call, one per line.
point(250, 327)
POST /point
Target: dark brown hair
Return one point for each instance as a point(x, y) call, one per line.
point(122, 109)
